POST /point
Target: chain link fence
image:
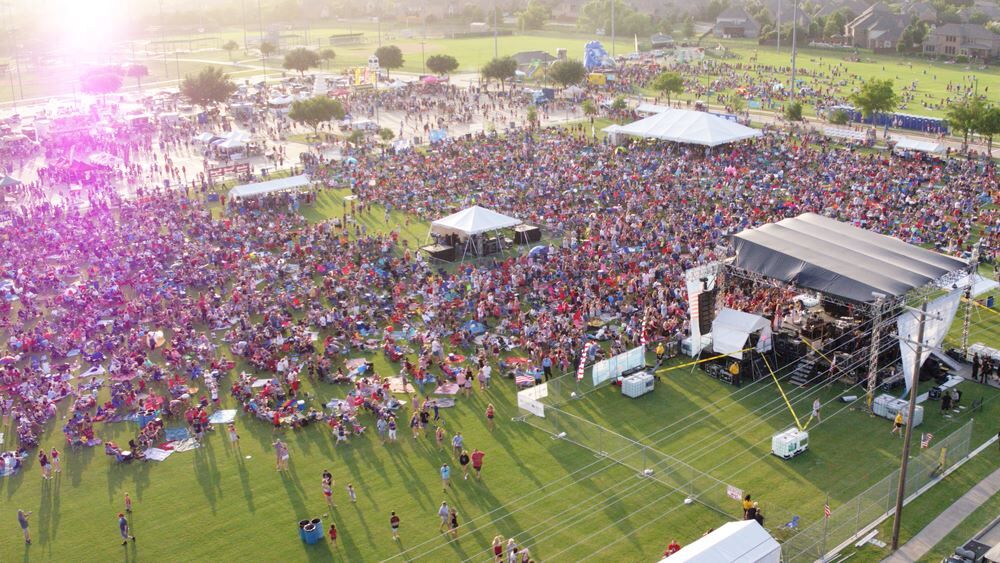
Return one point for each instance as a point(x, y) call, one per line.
point(810, 542)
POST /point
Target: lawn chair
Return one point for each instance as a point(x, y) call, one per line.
point(793, 525)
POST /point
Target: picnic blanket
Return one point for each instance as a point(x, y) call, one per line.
point(447, 389)
point(398, 385)
point(156, 454)
point(186, 445)
point(260, 383)
point(222, 417)
point(334, 404)
point(94, 370)
point(174, 434)
point(441, 403)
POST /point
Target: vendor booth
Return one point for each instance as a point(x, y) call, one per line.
point(475, 232)
point(734, 542)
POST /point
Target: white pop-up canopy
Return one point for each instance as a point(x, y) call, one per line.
point(917, 145)
point(272, 186)
point(687, 126)
point(473, 221)
point(732, 328)
point(732, 542)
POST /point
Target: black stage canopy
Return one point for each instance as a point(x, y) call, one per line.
point(822, 254)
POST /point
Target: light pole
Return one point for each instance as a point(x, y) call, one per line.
point(779, 25)
point(613, 2)
point(243, 7)
point(163, 43)
point(795, 25)
point(260, 28)
point(496, 43)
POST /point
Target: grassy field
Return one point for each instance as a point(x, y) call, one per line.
point(557, 498)
point(968, 528)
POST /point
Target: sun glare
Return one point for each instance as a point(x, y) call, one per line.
point(86, 26)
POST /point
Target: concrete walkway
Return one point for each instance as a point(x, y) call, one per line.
point(926, 539)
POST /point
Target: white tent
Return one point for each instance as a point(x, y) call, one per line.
point(473, 221)
point(687, 126)
point(272, 186)
point(651, 109)
point(733, 542)
point(234, 140)
point(916, 145)
point(732, 328)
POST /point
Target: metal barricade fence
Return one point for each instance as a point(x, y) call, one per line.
point(811, 541)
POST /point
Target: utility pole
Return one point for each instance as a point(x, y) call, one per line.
point(613, 2)
point(260, 28)
point(901, 489)
point(779, 25)
point(795, 26)
point(243, 7)
point(496, 42)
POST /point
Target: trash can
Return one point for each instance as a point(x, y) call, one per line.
point(302, 529)
point(317, 532)
point(310, 533)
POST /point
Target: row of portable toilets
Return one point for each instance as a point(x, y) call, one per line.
point(311, 531)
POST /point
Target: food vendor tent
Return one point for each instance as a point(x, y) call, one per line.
point(473, 221)
point(733, 542)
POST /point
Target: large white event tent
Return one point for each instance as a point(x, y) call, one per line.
point(686, 126)
point(473, 221)
point(917, 145)
point(733, 542)
point(271, 186)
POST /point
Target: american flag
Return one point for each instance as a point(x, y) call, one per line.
point(925, 440)
point(826, 510)
point(520, 380)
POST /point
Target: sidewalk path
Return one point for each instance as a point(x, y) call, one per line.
point(926, 539)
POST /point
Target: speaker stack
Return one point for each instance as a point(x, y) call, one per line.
point(706, 310)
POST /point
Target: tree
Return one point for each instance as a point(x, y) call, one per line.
point(389, 57)
point(267, 48)
point(619, 104)
point(793, 111)
point(442, 64)
point(964, 115)
point(532, 115)
point(875, 96)
point(102, 81)
point(596, 14)
point(301, 59)
point(137, 71)
point(327, 55)
point(668, 83)
point(588, 107)
point(315, 111)
point(567, 72)
point(386, 134)
point(688, 29)
point(534, 15)
point(502, 69)
point(209, 86)
point(356, 138)
point(988, 125)
point(737, 103)
point(230, 46)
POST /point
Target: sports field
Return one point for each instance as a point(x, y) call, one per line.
point(561, 500)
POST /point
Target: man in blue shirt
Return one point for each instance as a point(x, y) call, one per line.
point(445, 477)
point(123, 528)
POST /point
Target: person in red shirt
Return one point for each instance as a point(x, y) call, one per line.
point(673, 548)
point(477, 462)
point(333, 534)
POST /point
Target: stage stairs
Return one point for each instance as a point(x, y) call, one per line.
point(805, 371)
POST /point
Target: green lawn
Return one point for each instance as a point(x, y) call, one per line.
point(967, 529)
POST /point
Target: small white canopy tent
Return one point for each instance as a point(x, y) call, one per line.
point(272, 186)
point(651, 109)
point(733, 542)
point(469, 223)
point(687, 126)
point(732, 328)
point(917, 145)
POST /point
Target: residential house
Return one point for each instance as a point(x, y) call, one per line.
point(735, 22)
point(661, 41)
point(962, 40)
point(922, 11)
point(878, 28)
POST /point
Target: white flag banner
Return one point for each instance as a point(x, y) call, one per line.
point(940, 314)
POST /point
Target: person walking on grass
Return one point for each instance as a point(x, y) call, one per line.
point(490, 413)
point(43, 461)
point(333, 534)
point(123, 528)
point(456, 443)
point(445, 477)
point(128, 504)
point(234, 437)
point(453, 523)
point(463, 460)
point(328, 488)
point(439, 436)
point(498, 549)
point(281, 455)
point(54, 458)
point(394, 524)
point(22, 520)
point(351, 493)
point(477, 462)
point(816, 405)
point(897, 424)
point(392, 428)
point(443, 513)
